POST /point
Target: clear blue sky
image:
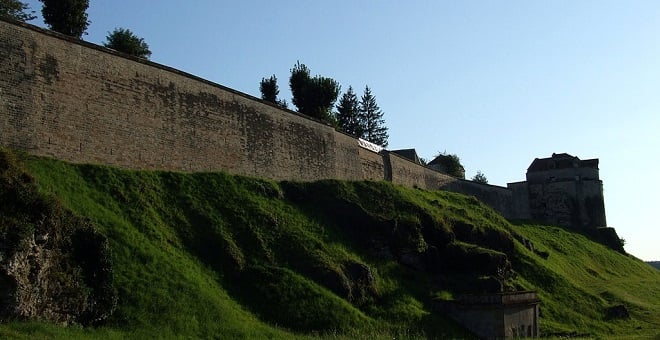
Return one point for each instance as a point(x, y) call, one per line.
point(498, 83)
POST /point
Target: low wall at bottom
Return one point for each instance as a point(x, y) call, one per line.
point(496, 316)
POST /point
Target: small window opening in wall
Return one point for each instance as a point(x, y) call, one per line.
point(80, 147)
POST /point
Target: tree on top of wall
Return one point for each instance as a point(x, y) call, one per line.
point(315, 96)
point(348, 114)
point(269, 91)
point(371, 118)
point(480, 178)
point(66, 16)
point(16, 10)
point(123, 40)
point(449, 164)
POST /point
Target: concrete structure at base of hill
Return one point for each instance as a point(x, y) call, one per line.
point(496, 316)
point(72, 100)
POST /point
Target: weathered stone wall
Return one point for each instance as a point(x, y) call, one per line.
point(435, 180)
point(593, 204)
point(68, 99)
point(82, 103)
point(406, 173)
point(521, 322)
point(373, 168)
point(519, 201)
point(499, 198)
point(577, 203)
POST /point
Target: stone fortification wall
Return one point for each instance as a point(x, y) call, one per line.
point(499, 198)
point(82, 103)
point(578, 203)
point(372, 166)
point(405, 172)
point(519, 201)
point(68, 99)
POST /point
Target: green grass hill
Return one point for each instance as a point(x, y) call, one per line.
point(210, 255)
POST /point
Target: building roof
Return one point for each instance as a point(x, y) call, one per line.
point(561, 161)
point(410, 154)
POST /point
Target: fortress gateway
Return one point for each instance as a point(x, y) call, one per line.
point(79, 102)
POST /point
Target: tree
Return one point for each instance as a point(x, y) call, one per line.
point(269, 91)
point(123, 40)
point(449, 164)
point(314, 97)
point(297, 83)
point(348, 114)
point(66, 16)
point(480, 178)
point(371, 118)
point(16, 10)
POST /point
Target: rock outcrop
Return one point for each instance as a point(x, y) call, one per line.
point(54, 266)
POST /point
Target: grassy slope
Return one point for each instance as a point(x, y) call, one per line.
point(581, 278)
point(205, 255)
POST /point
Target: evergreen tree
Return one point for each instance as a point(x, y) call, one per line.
point(123, 40)
point(314, 97)
point(371, 118)
point(16, 10)
point(269, 91)
point(66, 16)
point(298, 84)
point(348, 114)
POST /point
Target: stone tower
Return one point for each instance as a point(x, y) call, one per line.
point(567, 191)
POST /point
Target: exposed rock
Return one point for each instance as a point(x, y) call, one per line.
point(362, 281)
point(53, 265)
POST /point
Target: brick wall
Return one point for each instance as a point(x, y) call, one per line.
point(79, 102)
point(82, 103)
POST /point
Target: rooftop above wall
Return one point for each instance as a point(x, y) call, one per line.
point(561, 161)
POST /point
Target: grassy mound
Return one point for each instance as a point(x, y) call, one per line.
point(212, 255)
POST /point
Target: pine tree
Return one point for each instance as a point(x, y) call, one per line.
point(269, 91)
point(348, 114)
point(371, 118)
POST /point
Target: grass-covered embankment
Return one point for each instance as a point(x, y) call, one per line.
point(212, 255)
